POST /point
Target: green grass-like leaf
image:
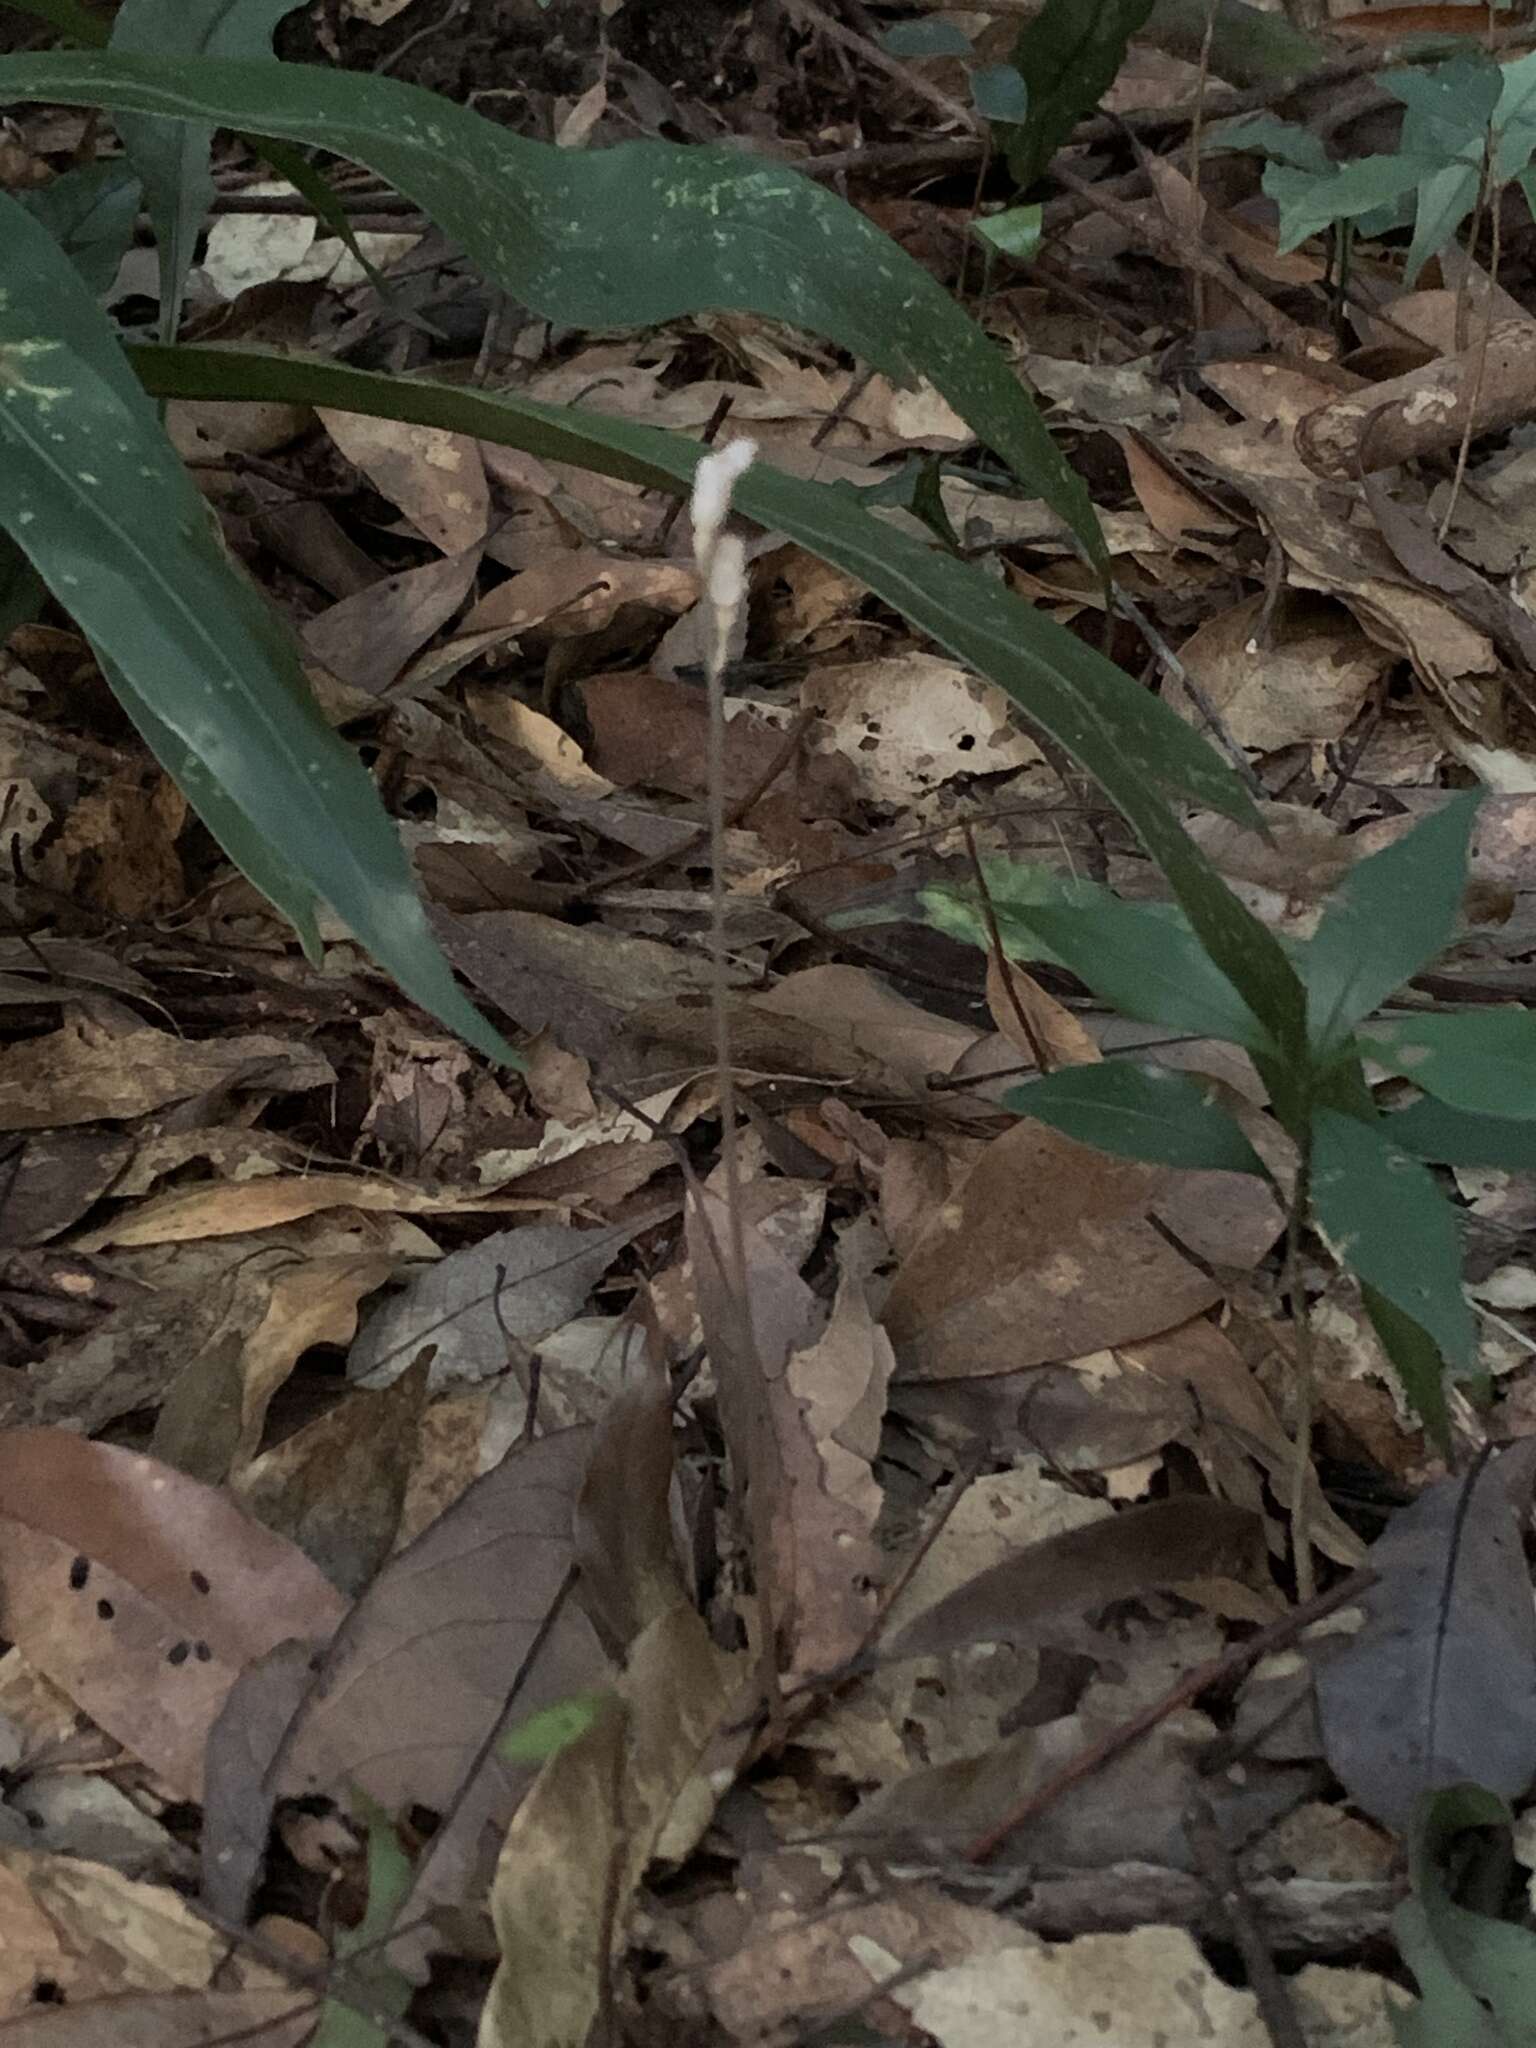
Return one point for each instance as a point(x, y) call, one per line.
point(1393, 911)
point(196, 646)
point(628, 236)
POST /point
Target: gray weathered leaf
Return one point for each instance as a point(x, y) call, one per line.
point(1439, 1686)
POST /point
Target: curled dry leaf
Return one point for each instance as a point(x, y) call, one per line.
point(141, 1593)
point(809, 1500)
point(81, 1073)
point(225, 1209)
point(368, 638)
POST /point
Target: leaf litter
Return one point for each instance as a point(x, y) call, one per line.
point(421, 1397)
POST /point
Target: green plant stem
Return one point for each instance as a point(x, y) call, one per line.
point(1301, 1353)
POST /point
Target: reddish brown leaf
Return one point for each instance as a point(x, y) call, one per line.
point(142, 1593)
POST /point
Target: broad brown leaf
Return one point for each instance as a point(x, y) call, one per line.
point(142, 1593)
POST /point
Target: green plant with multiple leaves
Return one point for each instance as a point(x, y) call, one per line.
point(208, 673)
point(213, 680)
point(1469, 130)
point(1363, 1175)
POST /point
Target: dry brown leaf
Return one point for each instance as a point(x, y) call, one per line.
point(1141, 1550)
point(88, 1932)
point(881, 1031)
point(910, 722)
point(1033, 1022)
point(513, 1288)
point(455, 1636)
point(142, 1593)
point(368, 638)
point(225, 1209)
point(117, 848)
point(81, 1073)
point(277, 2018)
point(1181, 514)
point(336, 1486)
point(1044, 1254)
point(583, 982)
point(436, 478)
point(582, 591)
point(51, 1180)
point(1235, 1412)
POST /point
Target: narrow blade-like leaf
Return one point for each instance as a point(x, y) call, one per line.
point(171, 157)
point(1067, 56)
point(1139, 1111)
point(1393, 911)
point(1390, 1224)
point(633, 235)
point(1483, 1061)
point(1127, 739)
point(83, 454)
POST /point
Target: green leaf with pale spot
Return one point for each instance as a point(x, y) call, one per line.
point(628, 236)
point(93, 494)
point(545, 1734)
point(1451, 1137)
point(1483, 1061)
point(1138, 1110)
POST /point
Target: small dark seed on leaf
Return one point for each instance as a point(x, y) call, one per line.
point(178, 1653)
point(105, 1609)
point(79, 1572)
point(200, 1581)
point(202, 1653)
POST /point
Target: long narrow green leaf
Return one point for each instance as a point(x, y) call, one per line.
point(633, 235)
point(1388, 1222)
point(92, 492)
point(1126, 739)
point(172, 157)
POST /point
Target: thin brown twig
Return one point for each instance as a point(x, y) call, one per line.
point(1222, 1670)
point(1210, 1845)
point(1480, 366)
point(1032, 1037)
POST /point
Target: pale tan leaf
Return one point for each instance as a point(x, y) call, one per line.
point(79, 1073)
point(1032, 1020)
point(635, 1782)
point(436, 478)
